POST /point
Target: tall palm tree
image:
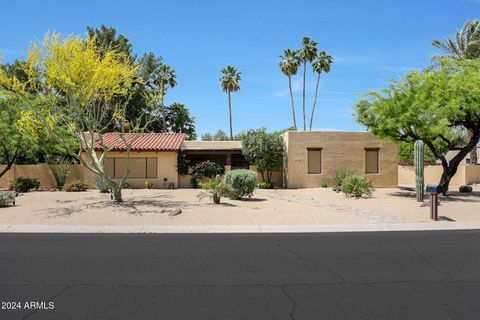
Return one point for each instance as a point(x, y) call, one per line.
point(165, 79)
point(230, 82)
point(308, 53)
point(322, 64)
point(466, 45)
point(289, 66)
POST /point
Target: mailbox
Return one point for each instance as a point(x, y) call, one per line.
point(433, 188)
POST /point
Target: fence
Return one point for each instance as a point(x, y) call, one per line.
point(466, 174)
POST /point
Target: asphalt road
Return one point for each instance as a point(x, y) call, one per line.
point(394, 275)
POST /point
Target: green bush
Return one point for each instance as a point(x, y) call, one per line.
point(324, 184)
point(265, 185)
point(215, 188)
point(76, 186)
point(126, 185)
point(22, 184)
point(465, 189)
point(206, 169)
point(357, 186)
point(242, 182)
point(340, 174)
point(60, 167)
point(7, 199)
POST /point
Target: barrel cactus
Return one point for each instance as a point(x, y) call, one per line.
point(419, 169)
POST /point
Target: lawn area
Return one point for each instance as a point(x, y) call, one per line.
point(267, 207)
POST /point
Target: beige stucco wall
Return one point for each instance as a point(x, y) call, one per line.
point(337, 148)
point(41, 172)
point(166, 168)
point(466, 174)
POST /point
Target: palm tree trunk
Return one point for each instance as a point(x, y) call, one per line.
point(293, 103)
point(230, 112)
point(314, 102)
point(304, 81)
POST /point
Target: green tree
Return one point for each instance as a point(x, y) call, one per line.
point(12, 142)
point(207, 136)
point(322, 64)
point(179, 120)
point(406, 153)
point(289, 67)
point(91, 84)
point(230, 82)
point(432, 106)
point(465, 46)
point(220, 135)
point(265, 150)
point(308, 53)
point(106, 40)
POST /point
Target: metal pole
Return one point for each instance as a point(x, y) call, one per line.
point(434, 206)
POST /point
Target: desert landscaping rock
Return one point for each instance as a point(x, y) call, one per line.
point(175, 212)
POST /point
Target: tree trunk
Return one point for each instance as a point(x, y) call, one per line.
point(314, 101)
point(9, 162)
point(304, 83)
point(164, 118)
point(230, 112)
point(473, 153)
point(117, 193)
point(293, 103)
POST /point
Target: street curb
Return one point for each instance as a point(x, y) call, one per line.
point(430, 226)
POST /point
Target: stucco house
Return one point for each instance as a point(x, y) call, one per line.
point(310, 158)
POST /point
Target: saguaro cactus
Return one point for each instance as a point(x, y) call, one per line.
point(419, 169)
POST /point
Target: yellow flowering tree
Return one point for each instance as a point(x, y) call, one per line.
point(79, 89)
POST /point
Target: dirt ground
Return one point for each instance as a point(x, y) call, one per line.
point(267, 207)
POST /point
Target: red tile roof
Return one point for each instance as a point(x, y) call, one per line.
point(141, 141)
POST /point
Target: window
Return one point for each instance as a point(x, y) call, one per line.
point(314, 160)
point(140, 168)
point(372, 160)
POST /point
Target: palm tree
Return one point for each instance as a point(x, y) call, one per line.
point(466, 45)
point(289, 66)
point(165, 79)
point(180, 120)
point(322, 64)
point(308, 53)
point(230, 82)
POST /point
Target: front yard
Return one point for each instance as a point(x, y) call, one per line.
point(268, 207)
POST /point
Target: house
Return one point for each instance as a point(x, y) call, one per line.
point(310, 158)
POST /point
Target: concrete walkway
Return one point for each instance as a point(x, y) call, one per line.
point(439, 225)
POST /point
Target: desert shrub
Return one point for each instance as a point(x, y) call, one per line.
point(206, 169)
point(126, 185)
point(22, 184)
point(242, 182)
point(60, 168)
point(101, 185)
point(147, 185)
point(265, 185)
point(215, 189)
point(324, 184)
point(357, 186)
point(465, 189)
point(7, 199)
point(76, 186)
point(342, 172)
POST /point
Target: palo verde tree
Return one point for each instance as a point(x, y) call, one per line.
point(230, 82)
point(434, 106)
point(265, 150)
point(81, 87)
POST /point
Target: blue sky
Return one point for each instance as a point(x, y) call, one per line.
point(371, 42)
